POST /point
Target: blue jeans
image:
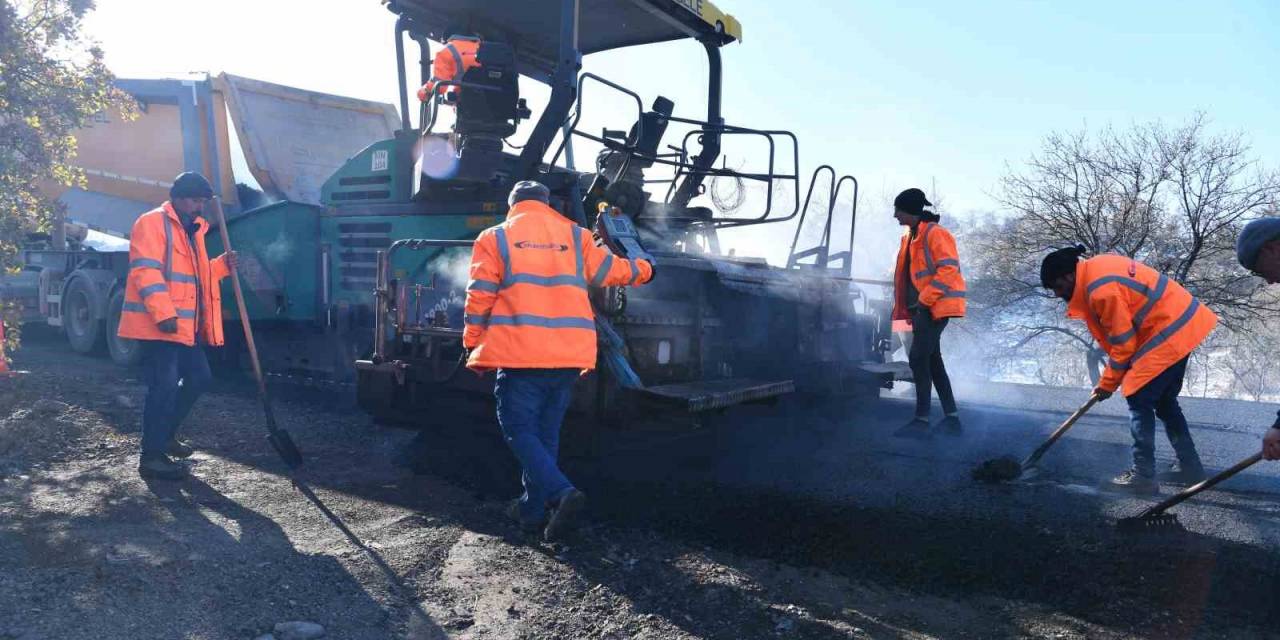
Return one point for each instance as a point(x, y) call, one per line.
point(1159, 398)
point(175, 375)
point(531, 406)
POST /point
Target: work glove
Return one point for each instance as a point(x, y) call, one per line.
point(169, 325)
point(1102, 394)
point(1271, 444)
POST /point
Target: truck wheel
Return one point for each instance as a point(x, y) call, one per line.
point(83, 328)
point(124, 352)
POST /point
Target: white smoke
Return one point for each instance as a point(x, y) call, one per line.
point(279, 251)
point(452, 267)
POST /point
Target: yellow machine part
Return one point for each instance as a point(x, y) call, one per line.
point(712, 15)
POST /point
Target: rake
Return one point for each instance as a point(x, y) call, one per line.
point(1155, 518)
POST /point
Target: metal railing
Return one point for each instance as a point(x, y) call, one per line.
point(389, 295)
point(625, 143)
point(821, 253)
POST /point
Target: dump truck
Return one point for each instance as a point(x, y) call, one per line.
point(180, 125)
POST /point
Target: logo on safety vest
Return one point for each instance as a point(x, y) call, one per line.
point(525, 244)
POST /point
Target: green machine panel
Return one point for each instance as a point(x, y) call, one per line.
point(354, 242)
point(280, 261)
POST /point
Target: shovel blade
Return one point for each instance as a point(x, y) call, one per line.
point(283, 444)
point(1003, 469)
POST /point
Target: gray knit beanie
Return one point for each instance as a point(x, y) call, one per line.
point(529, 190)
point(1253, 237)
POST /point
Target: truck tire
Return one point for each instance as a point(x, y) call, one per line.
point(80, 318)
point(124, 352)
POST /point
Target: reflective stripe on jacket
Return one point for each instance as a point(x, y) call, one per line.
point(527, 305)
point(934, 270)
point(457, 56)
point(1145, 321)
point(163, 283)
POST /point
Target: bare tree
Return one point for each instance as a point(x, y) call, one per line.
point(1172, 197)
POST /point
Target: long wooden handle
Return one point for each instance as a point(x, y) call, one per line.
point(235, 284)
point(1207, 483)
point(1040, 451)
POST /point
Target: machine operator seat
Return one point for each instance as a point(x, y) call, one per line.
point(647, 134)
point(627, 190)
point(489, 102)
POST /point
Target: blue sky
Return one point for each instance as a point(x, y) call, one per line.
point(898, 93)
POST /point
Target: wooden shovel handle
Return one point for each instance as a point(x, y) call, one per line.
point(235, 284)
point(1040, 451)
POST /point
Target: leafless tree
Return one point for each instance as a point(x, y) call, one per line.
point(1172, 197)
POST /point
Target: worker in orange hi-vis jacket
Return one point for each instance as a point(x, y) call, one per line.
point(1148, 325)
point(928, 291)
point(528, 316)
point(1258, 249)
point(457, 56)
point(173, 306)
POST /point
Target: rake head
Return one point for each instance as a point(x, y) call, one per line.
point(1147, 523)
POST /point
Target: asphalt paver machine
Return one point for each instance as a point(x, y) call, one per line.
point(714, 329)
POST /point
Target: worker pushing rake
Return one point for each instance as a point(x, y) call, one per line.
point(1258, 249)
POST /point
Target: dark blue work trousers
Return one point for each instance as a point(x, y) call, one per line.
point(1159, 399)
point(531, 406)
point(176, 375)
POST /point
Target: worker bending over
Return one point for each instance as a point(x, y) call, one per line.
point(173, 307)
point(457, 56)
point(928, 292)
point(527, 316)
point(1148, 325)
point(1258, 249)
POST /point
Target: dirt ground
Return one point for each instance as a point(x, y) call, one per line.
point(368, 549)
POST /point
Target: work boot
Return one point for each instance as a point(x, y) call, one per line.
point(565, 515)
point(917, 427)
point(1180, 474)
point(179, 449)
point(1135, 482)
point(951, 425)
point(158, 466)
point(513, 512)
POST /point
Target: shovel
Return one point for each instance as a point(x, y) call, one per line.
point(1155, 518)
point(1008, 468)
point(279, 438)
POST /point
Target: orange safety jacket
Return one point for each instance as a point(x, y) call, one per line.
point(934, 270)
point(164, 277)
point(527, 305)
point(1145, 321)
point(458, 55)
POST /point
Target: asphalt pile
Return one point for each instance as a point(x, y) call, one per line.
point(997, 470)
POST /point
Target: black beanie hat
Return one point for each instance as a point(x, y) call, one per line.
point(1059, 263)
point(190, 185)
point(912, 201)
